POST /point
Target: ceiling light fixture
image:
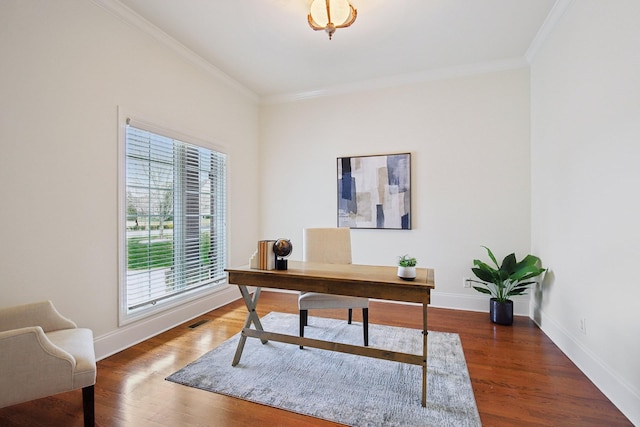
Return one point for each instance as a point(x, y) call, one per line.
point(328, 15)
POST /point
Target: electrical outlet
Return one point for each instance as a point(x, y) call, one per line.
point(583, 326)
point(466, 282)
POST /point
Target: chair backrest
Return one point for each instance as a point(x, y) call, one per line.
point(329, 245)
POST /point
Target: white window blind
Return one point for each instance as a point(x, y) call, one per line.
point(175, 218)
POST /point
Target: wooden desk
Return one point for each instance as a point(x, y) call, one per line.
point(338, 279)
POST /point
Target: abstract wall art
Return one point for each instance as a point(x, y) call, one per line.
point(375, 191)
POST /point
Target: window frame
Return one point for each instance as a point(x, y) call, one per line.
point(126, 316)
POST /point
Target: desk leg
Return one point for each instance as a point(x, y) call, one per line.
point(252, 317)
point(424, 355)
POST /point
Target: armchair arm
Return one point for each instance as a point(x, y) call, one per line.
point(32, 365)
point(41, 314)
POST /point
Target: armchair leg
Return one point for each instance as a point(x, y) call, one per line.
point(350, 315)
point(365, 325)
point(88, 406)
point(303, 322)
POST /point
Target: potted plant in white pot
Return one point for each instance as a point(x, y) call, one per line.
point(508, 279)
point(407, 267)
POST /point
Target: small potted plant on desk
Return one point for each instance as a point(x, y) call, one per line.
point(407, 267)
point(508, 279)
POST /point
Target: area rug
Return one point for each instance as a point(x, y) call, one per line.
point(343, 388)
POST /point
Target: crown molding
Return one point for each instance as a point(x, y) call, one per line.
point(123, 12)
point(400, 80)
point(557, 11)
point(129, 16)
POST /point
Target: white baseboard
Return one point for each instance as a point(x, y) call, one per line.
point(622, 394)
point(474, 302)
point(126, 336)
point(455, 302)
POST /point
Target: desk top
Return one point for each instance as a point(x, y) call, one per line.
point(340, 279)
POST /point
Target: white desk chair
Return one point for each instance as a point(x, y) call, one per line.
point(333, 246)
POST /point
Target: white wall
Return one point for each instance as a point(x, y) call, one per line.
point(585, 205)
point(469, 140)
point(66, 67)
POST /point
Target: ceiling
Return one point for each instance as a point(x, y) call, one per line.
point(268, 47)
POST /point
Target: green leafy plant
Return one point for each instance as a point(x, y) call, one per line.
point(407, 261)
point(507, 279)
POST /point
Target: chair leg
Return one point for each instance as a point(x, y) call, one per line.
point(350, 316)
point(365, 325)
point(303, 322)
point(88, 406)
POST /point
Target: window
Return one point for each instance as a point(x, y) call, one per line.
point(175, 226)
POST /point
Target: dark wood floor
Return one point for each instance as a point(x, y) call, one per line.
point(519, 376)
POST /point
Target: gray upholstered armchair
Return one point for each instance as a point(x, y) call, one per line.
point(43, 353)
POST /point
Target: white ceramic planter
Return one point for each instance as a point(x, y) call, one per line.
point(407, 273)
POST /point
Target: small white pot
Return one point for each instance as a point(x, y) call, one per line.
point(407, 273)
